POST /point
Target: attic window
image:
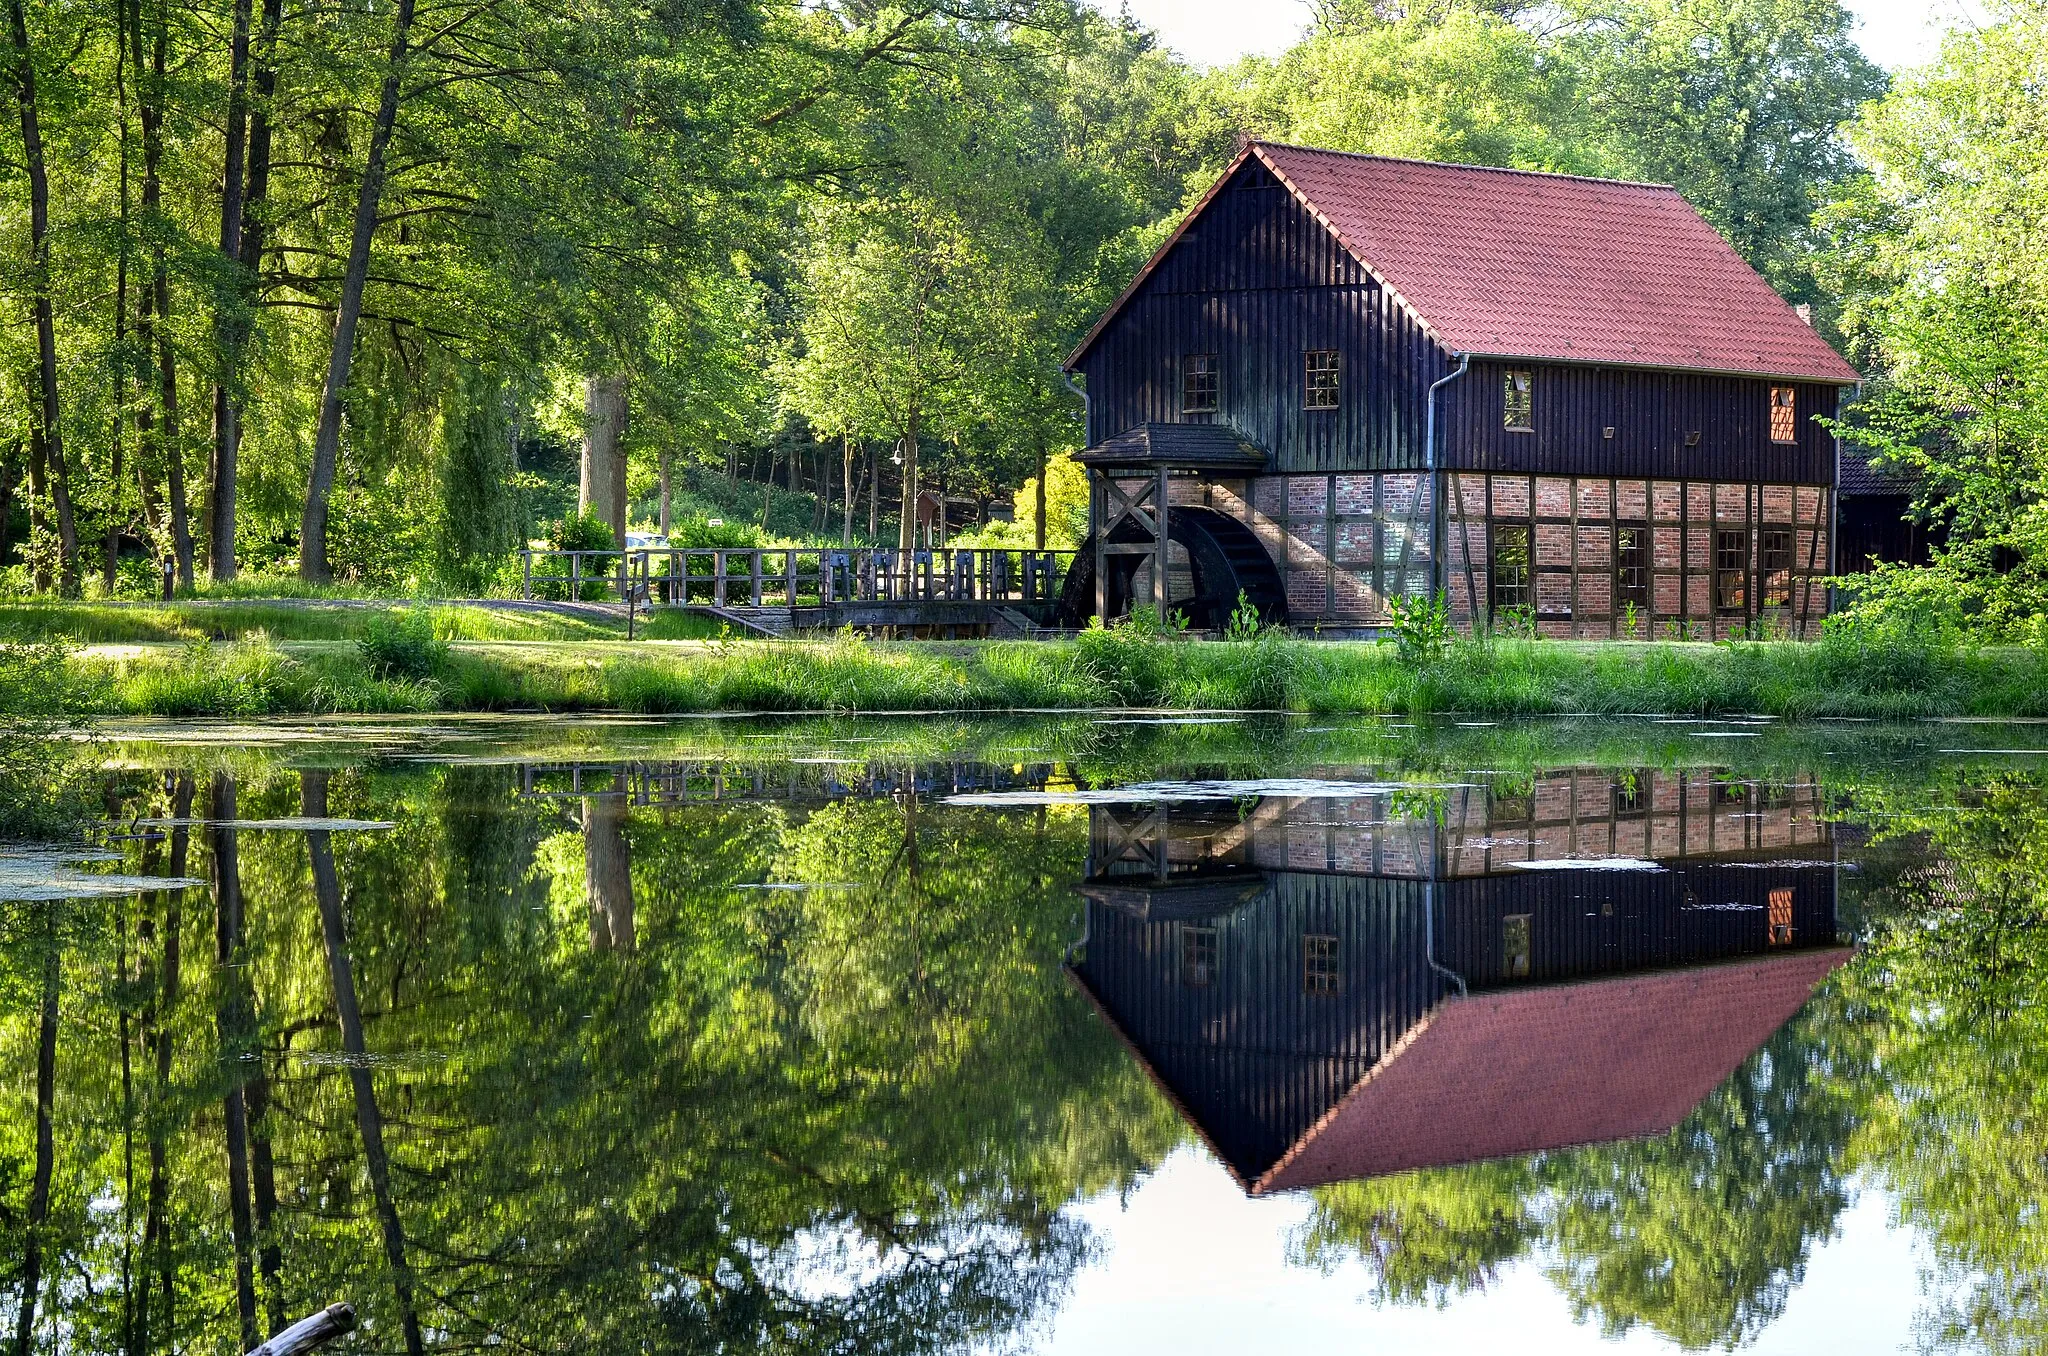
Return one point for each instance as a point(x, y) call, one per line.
point(1319, 389)
point(1198, 957)
point(1520, 403)
point(1784, 415)
point(1514, 945)
point(1318, 963)
point(1198, 384)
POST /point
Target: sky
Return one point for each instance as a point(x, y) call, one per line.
point(1894, 33)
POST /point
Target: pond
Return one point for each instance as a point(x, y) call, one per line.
point(1072, 1034)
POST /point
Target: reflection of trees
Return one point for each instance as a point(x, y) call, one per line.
point(840, 1118)
point(1699, 1234)
point(1956, 979)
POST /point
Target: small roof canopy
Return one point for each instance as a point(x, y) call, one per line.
point(1178, 447)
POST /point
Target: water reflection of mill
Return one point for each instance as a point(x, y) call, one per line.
point(1335, 989)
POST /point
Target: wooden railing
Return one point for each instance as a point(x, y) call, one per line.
point(793, 577)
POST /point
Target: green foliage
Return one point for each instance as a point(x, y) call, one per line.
point(402, 644)
point(480, 512)
point(1244, 622)
point(1422, 628)
point(42, 700)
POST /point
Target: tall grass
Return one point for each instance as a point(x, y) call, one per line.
point(1837, 677)
point(188, 621)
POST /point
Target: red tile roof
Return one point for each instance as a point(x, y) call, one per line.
point(1522, 1070)
point(1511, 263)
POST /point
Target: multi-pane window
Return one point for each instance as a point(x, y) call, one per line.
point(1628, 794)
point(1199, 387)
point(1318, 963)
point(1319, 380)
point(1514, 945)
point(1781, 916)
point(1784, 415)
point(1632, 566)
point(1518, 400)
point(1198, 956)
point(1774, 562)
point(1731, 570)
point(1510, 568)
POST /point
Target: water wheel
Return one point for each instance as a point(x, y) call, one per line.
point(1210, 558)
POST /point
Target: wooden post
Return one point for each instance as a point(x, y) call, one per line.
point(1159, 551)
point(1098, 512)
point(526, 574)
point(575, 576)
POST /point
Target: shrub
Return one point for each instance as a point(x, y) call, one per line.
point(402, 644)
point(1422, 629)
point(577, 532)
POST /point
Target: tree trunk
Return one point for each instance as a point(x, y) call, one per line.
point(38, 499)
point(166, 357)
point(156, 1029)
point(263, 1177)
point(7, 475)
point(228, 325)
point(1038, 495)
point(313, 563)
point(110, 565)
point(46, 1141)
point(768, 490)
point(369, 1121)
point(607, 870)
point(874, 496)
point(847, 489)
point(232, 1020)
point(48, 411)
point(665, 459)
point(602, 491)
point(906, 531)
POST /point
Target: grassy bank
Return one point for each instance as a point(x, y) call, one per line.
point(1100, 669)
point(193, 620)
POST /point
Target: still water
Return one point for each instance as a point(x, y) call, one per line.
point(1074, 1035)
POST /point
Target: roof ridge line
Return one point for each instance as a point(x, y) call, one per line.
point(1458, 164)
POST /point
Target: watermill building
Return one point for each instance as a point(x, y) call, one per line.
point(1564, 403)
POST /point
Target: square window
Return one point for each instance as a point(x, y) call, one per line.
point(1734, 793)
point(1731, 570)
point(1510, 566)
point(1506, 807)
point(1514, 945)
point(1199, 387)
point(1519, 405)
point(1198, 957)
point(1318, 963)
point(1632, 566)
point(1319, 391)
point(1628, 795)
point(1784, 415)
point(1774, 560)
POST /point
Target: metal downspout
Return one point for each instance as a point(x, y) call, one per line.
point(1440, 577)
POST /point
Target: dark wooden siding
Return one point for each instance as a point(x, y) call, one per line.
point(1258, 282)
point(1652, 414)
point(1587, 923)
point(1253, 1058)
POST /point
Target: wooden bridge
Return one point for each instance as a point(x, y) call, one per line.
point(940, 593)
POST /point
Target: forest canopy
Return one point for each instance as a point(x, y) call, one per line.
point(372, 295)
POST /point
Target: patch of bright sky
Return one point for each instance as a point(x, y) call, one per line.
point(1192, 1266)
point(1895, 33)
